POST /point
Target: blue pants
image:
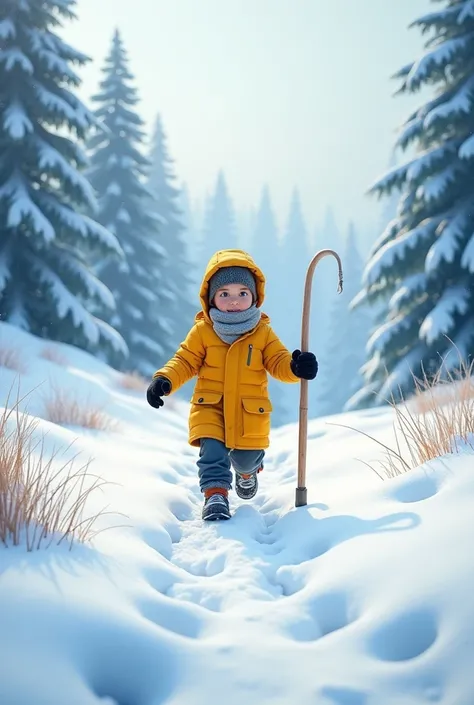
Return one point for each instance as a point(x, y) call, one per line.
point(215, 461)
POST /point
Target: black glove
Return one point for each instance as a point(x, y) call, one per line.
point(159, 387)
point(304, 364)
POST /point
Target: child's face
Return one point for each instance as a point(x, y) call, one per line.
point(233, 297)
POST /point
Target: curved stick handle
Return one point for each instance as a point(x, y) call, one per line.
point(301, 491)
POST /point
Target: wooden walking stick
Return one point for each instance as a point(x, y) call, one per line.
point(301, 499)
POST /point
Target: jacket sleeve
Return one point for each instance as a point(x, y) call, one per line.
point(276, 359)
point(186, 362)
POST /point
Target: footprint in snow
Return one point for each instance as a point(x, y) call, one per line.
point(321, 616)
point(174, 530)
point(266, 538)
point(171, 615)
point(339, 695)
point(405, 636)
point(159, 539)
point(197, 595)
point(181, 509)
point(417, 489)
point(289, 581)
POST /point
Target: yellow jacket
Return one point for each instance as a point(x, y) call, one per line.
point(230, 400)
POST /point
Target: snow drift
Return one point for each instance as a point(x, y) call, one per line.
point(364, 597)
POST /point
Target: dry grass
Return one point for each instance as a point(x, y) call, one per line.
point(133, 381)
point(52, 354)
point(39, 501)
point(460, 390)
point(64, 410)
point(11, 359)
point(437, 420)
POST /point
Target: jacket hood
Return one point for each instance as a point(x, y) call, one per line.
point(230, 258)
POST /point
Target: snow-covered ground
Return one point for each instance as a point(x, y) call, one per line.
point(364, 597)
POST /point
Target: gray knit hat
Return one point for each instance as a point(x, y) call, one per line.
point(232, 275)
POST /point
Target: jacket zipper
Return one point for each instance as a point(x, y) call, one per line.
point(249, 356)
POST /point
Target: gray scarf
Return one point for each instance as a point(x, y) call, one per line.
point(230, 326)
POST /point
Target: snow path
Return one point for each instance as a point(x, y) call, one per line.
point(364, 597)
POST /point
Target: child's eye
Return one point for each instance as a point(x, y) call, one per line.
point(223, 294)
point(244, 293)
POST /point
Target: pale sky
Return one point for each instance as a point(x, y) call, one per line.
point(288, 92)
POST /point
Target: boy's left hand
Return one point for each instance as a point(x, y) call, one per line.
point(304, 364)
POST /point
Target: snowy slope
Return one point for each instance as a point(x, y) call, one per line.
point(362, 598)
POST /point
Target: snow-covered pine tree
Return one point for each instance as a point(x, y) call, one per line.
point(188, 218)
point(246, 221)
point(325, 277)
point(344, 351)
point(324, 296)
point(290, 287)
point(117, 173)
point(422, 266)
point(295, 260)
point(265, 248)
point(219, 232)
point(176, 280)
point(47, 243)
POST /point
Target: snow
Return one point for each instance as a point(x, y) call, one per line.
point(123, 216)
point(363, 597)
point(380, 339)
point(394, 177)
point(439, 56)
point(467, 11)
point(440, 321)
point(49, 159)
point(139, 339)
point(56, 64)
point(389, 233)
point(95, 288)
point(385, 258)
point(40, 40)
point(23, 208)
point(429, 160)
point(409, 131)
point(115, 340)
point(154, 247)
point(467, 260)
point(133, 311)
point(434, 187)
point(78, 222)
point(402, 375)
point(461, 102)
point(7, 29)
point(466, 150)
point(113, 189)
point(13, 58)
point(145, 293)
point(54, 102)
point(446, 245)
point(66, 302)
point(127, 162)
point(16, 122)
point(5, 268)
point(433, 18)
point(411, 287)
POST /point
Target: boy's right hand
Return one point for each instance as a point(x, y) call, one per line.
point(158, 388)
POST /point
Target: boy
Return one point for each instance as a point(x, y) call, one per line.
point(231, 347)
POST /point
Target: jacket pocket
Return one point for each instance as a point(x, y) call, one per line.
point(204, 398)
point(256, 417)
